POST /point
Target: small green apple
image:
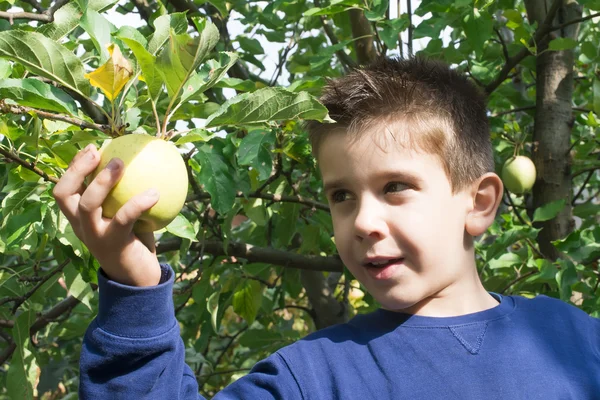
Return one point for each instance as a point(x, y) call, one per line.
point(149, 162)
point(518, 174)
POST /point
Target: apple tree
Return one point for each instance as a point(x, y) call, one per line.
point(230, 84)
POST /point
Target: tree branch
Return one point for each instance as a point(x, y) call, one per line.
point(411, 28)
point(258, 254)
point(59, 309)
point(45, 16)
point(272, 197)
point(21, 299)
point(11, 16)
point(361, 28)
point(514, 110)
point(13, 109)
point(346, 61)
point(542, 31)
point(29, 165)
point(575, 21)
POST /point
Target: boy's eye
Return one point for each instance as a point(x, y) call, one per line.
point(395, 187)
point(340, 196)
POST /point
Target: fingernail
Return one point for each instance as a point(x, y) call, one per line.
point(151, 193)
point(113, 165)
point(88, 148)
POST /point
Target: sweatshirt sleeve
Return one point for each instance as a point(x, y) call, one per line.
point(133, 350)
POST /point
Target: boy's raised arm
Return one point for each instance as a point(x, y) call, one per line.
point(133, 349)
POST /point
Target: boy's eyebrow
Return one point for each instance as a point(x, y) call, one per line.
point(333, 185)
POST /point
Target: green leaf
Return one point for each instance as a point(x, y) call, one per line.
point(99, 30)
point(78, 287)
point(506, 260)
point(46, 58)
point(566, 277)
point(164, 25)
point(478, 29)
point(247, 300)
point(391, 29)
point(286, 223)
point(378, 10)
point(250, 45)
point(16, 198)
point(195, 135)
point(23, 372)
point(183, 228)
point(562, 44)
point(548, 211)
point(183, 54)
point(37, 94)
point(266, 105)
point(67, 18)
point(145, 60)
point(255, 150)
point(596, 94)
point(217, 178)
point(589, 50)
point(209, 75)
point(508, 238)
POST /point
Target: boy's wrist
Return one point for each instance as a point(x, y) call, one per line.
point(132, 311)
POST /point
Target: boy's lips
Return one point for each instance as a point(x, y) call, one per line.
point(382, 268)
point(380, 262)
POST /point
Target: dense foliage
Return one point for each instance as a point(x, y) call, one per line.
point(253, 251)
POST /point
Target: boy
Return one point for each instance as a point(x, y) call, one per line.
point(407, 170)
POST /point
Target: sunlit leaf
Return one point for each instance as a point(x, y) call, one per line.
point(112, 76)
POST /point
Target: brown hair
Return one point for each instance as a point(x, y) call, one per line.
point(443, 111)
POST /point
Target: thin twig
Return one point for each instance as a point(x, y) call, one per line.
point(514, 110)
point(575, 21)
point(271, 197)
point(503, 43)
point(29, 165)
point(14, 109)
point(514, 208)
point(21, 299)
point(347, 61)
point(411, 28)
point(540, 34)
point(517, 279)
point(582, 188)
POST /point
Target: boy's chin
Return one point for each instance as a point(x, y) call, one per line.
point(397, 303)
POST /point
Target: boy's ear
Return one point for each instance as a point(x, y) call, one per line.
point(486, 193)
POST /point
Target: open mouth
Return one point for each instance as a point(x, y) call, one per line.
point(383, 264)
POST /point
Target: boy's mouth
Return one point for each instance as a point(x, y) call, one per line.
point(382, 263)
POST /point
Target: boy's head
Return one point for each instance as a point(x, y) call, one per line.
point(444, 112)
point(407, 173)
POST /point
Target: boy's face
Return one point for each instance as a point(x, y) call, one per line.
point(394, 207)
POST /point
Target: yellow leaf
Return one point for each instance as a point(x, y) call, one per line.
point(113, 75)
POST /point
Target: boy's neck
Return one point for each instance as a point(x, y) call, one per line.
point(466, 296)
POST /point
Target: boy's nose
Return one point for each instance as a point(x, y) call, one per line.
point(369, 222)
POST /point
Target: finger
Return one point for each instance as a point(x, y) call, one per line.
point(90, 205)
point(71, 185)
point(81, 153)
point(122, 223)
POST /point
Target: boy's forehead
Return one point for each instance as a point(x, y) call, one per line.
point(384, 138)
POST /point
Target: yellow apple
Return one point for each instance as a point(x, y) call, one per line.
point(518, 174)
point(149, 162)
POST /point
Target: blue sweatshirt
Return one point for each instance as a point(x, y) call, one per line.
point(523, 348)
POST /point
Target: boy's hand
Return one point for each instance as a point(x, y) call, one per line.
point(124, 257)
